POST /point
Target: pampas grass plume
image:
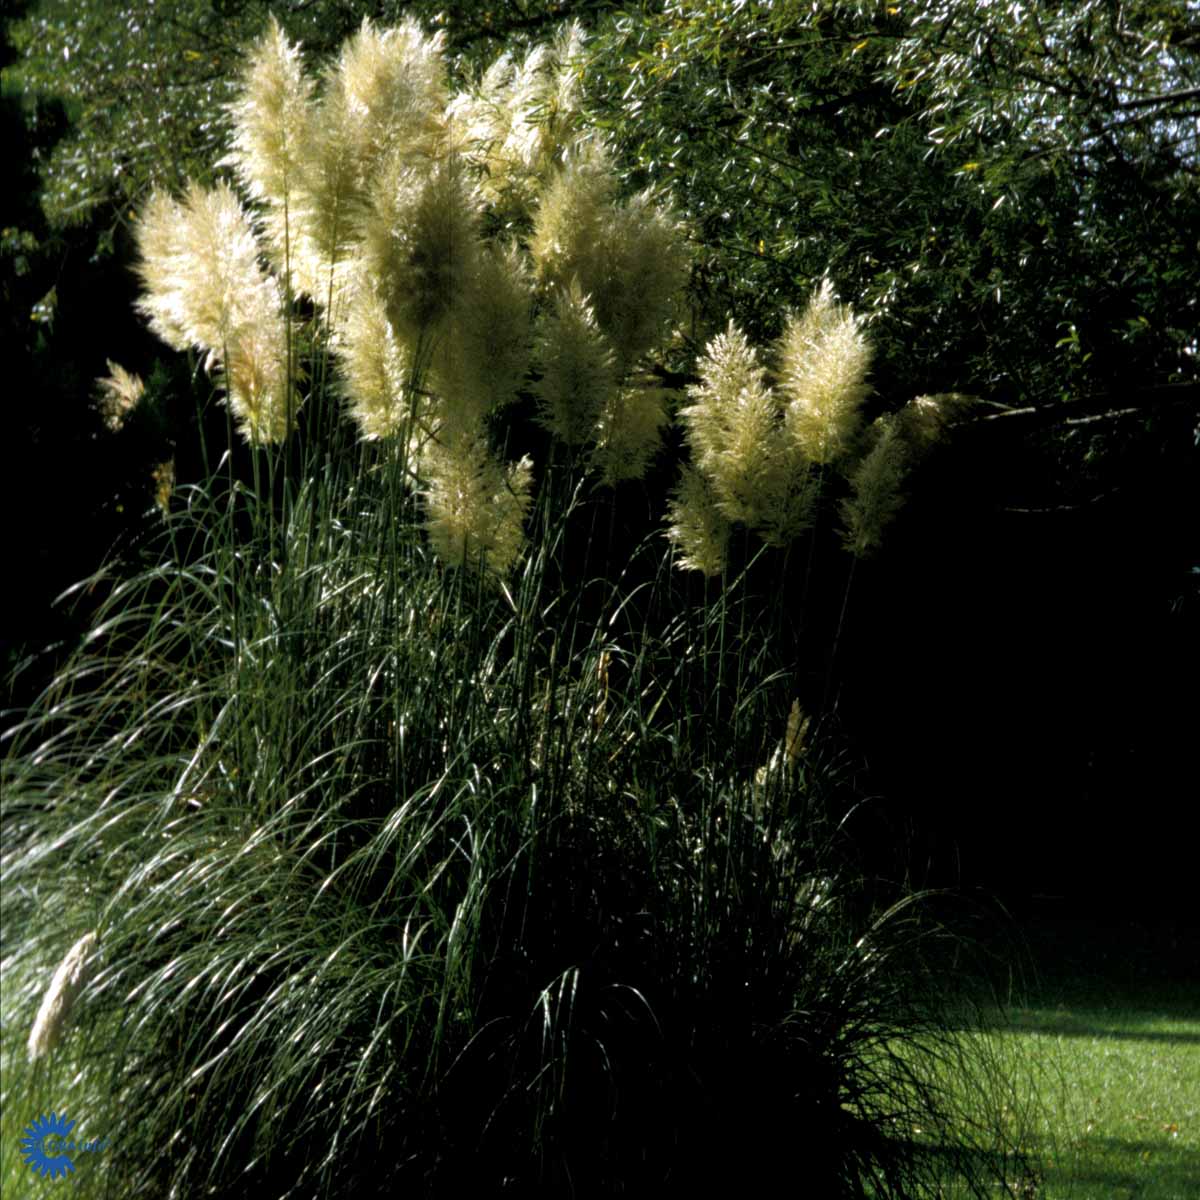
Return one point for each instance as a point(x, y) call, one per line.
point(568, 240)
point(271, 123)
point(205, 287)
point(377, 370)
point(391, 84)
point(876, 488)
point(120, 392)
point(421, 241)
point(629, 433)
point(55, 1011)
point(824, 360)
point(578, 367)
point(475, 507)
point(697, 527)
point(898, 443)
point(480, 364)
point(520, 120)
point(731, 425)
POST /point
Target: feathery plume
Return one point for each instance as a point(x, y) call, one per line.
point(483, 359)
point(638, 284)
point(326, 213)
point(628, 433)
point(421, 242)
point(630, 260)
point(204, 287)
point(569, 237)
point(161, 233)
point(876, 484)
point(271, 128)
point(898, 443)
point(824, 360)
point(476, 508)
point(120, 392)
point(925, 419)
point(257, 383)
point(377, 372)
point(59, 999)
point(391, 83)
point(731, 425)
point(787, 755)
point(697, 528)
point(578, 368)
point(755, 472)
point(381, 109)
point(521, 118)
point(163, 478)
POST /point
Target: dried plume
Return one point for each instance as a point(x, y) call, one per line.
point(897, 444)
point(579, 377)
point(697, 526)
point(272, 126)
point(119, 394)
point(824, 360)
point(521, 118)
point(732, 427)
point(475, 507)
point(204, 286)
point(59, 999)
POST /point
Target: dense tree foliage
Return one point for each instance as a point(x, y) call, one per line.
point(1011, 191)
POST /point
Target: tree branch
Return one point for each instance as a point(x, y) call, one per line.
point(1097, 407)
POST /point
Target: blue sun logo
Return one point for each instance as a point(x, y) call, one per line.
point(47, 1159)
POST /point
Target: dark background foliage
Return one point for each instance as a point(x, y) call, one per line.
point(1012, 199)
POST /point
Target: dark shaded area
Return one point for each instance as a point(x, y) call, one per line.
point(75, 495)
point(1021, 667)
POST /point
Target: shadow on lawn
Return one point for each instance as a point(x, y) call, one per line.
point(1118, 1169)
point(1111, 1168)
point(1097, 1024)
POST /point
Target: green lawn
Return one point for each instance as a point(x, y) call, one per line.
point(1107, 1037)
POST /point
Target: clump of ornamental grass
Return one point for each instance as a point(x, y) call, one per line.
point(406, 885)
point(412, 864)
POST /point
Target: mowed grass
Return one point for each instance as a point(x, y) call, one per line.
point(1102, 1050)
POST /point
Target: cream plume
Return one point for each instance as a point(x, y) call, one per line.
point(272, 126)
point(421, 242)
point(731, 425)
point(521, 118)
point(578, 367)
point(628, 433)
point(480, 363)
point(120, 392)
point(204, 287)
point(697, 527)
point(59, 998)
point(898, 443)
point(824, 360)
point(476, 508)
point(875, 488)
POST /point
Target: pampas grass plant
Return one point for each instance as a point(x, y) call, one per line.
point(415, 864)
